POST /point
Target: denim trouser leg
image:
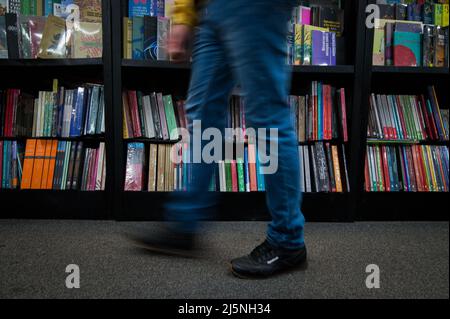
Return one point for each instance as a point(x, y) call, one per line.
point(210, 86)
point(246, 41)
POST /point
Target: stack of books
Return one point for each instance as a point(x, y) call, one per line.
point(153, 116)
point(407, 117)
point(63, 112)
point(52, 165)
point(145, 30)
point(413, 34)
point(315, 28)
point(31, 29)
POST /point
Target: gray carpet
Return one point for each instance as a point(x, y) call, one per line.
point(413, 259)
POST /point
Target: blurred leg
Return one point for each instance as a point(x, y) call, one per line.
point(254, 34)
point(210, 86)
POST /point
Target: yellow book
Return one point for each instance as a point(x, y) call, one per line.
point(337, 168)
point(432, 168)
point(445, 15)
point(53, 43)
point(152, 166)
point(87, 40)
point(127, 38)
point(161, 168)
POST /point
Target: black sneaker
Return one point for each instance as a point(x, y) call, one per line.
point(266, 260)
point(166, 241)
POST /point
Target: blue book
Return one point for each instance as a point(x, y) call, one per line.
point(5, 162)
point(77, 112)
point(48, 7)
point(320, 111)
point(137, 43)
point(139, 8)
point(259, 175)
point(246, 172)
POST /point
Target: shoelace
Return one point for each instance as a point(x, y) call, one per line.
point(263, 252)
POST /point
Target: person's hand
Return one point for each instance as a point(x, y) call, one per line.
point(178, 43)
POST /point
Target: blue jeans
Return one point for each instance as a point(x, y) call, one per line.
point(244, 42)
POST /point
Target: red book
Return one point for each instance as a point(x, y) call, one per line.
point(252, 167)
point(344, 115)
point(1, 163)
point(386, 169)
point(329, 120)
point(367, 175)
point(234, 178)
point(132, 101)
point(417, 171)
point(402, 117)
point(423, 109)
point(430, 119)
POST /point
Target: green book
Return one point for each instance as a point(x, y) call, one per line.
point(240, 172)
point(229, 185)
point(170, 117)
point(65, 164)
point(438, 11)
point(141, 113)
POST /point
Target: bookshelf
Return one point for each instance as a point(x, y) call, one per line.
point(356, 74)
point(33, 75)
point(396, 206)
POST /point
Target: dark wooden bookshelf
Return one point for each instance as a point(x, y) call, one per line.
point(32, 75)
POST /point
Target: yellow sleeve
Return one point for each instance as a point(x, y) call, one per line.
point(183, 12)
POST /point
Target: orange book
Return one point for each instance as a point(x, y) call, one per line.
point(38, 166)
point(45, 168)
point(337, 169)
point(52, 162)
point(252, 167)
point(28, 164)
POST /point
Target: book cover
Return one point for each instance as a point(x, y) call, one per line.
point(440, 47)
point(87, 40)
point(162, 36)
point(12, 36)
point(161, 168)
point(90, 10)
point(36, 27)
point(407, 49)
point(332, 19)
point(155, 116)
point(127, 38)
point(53, 43)
point(28, 164)
point(428, 17)
point(150, 37)
point(170, 115)
point(308, 42)
point(77, 167)
point(152, 172)
point(163, 117)
point(139, 8)
point(438, 10)
point(134, 167)
point(378, 51)
point(401, 11)
point(138, 38)
point(3, 39)
point(38, 164)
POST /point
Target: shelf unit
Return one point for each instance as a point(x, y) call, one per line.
point(33, 75)
point(395, 80)
point(356, 75)
point(172, 78)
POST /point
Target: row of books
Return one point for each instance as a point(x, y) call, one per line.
point(414, 168)
point(31, 37)
point(410, 43)
point(145, 30)
point(323, 168)
point(162, 174)
point(318, 116)
point(434, 12)
point(407, 117)
point(152, 116)
point(60, 113)
point(314, 29)
point(52, 164)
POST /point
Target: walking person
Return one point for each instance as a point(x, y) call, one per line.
point(238, 41)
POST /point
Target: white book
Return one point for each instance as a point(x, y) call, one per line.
point(35, 117)
point(67, 150)
point(100, 156)
point(302, 169)
point(66, 114)
point(222, 176)
point(307, 170)
point(38, 119)
point(149, 124)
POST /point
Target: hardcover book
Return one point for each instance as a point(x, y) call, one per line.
point(407, 49)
